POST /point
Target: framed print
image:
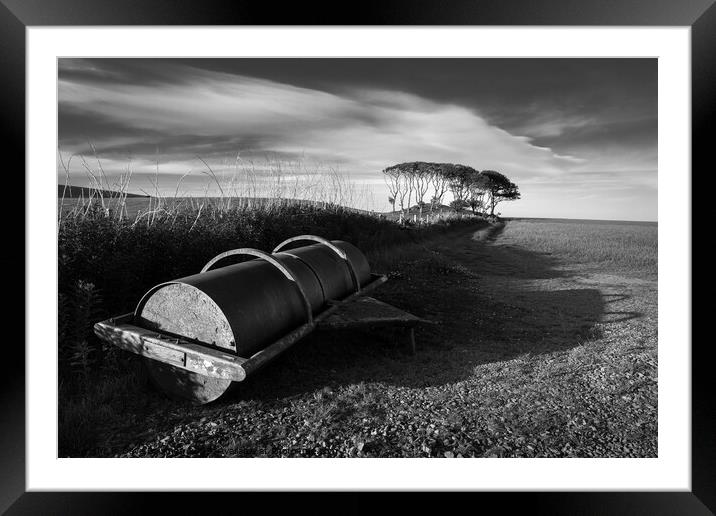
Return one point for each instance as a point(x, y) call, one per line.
point(440, 240)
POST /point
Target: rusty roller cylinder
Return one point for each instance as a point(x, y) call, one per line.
point(243, 308)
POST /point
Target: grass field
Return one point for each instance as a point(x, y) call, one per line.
point(545, 346)
point(630, 246)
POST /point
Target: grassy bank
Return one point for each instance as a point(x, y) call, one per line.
point(110, 262)
point(106, 263)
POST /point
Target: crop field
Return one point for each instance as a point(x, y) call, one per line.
point(545, 346)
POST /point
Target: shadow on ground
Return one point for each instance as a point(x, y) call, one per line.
point(490, 306)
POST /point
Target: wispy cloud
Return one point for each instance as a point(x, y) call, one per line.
point(365, 130)
point(143, 112)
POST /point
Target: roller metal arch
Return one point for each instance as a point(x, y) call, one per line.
point(248, 251)
point(340, 252)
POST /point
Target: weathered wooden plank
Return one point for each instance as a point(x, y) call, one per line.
point(174, 351)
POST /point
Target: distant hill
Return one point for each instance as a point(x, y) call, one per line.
point(74, 192)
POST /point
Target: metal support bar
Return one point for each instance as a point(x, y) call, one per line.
point(340, 252)
point(247, 251)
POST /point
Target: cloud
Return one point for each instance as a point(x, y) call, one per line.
point(198, 112)
point(573, 151)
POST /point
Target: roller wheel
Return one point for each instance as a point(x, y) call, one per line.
point(185, 385)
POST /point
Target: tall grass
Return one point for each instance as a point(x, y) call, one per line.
point(266, 184)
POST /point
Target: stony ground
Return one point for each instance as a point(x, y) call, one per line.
point(534, 355)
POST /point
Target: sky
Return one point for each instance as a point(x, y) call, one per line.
point(578, 136)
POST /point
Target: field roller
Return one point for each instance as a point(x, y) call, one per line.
point(201, 333)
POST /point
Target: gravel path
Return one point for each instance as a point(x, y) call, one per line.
point(532, 357)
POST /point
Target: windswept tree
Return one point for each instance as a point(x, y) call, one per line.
point(460, 179)
point(393, 181)
point(498, 188)
point(440, 184)
point(422, 183)
point(458, 204)
point(411, 179)
point(476, 198)
point(478, 190)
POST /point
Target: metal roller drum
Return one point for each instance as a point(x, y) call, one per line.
point(243, 308)
point(357, 260)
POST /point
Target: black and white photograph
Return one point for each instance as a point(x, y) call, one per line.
point(357, 257)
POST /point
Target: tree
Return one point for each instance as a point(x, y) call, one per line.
point(393, 181)
point(411, 179)
point(476, 200)
point(475, 191)
point(498, 187)
point(440, 184)
point(415, 179)
point(457, 204)
point(422, 184)
point(459, 179)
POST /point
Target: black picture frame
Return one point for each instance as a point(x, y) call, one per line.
point(17, 15)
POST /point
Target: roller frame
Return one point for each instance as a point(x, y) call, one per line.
point(200, 358)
